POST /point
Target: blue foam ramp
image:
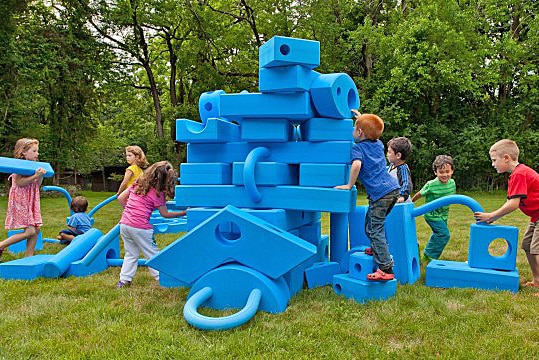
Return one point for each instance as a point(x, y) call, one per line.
point(334, 95)
point(481, 236)
point(337, 152)
point(170, 282)
point(24, 167)
point(209, 105)
point(206, 173)
point(28, 268)
point(276, 105)
point(321, 274)
point(323, 175)
point(254, 243)
point(327, 129)
point(20, 247)
point(292, 78)
point(363, 291)
point(284, 197)
point(267, 174)
point(213, 130)
point(282, 51)
point(272, 130)
point(454, 274)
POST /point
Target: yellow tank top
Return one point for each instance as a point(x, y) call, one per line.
point(137, 171)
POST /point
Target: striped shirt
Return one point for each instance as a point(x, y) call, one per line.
point(403, 176)
point(435, 189)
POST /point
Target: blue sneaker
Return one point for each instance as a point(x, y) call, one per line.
point(120, 284)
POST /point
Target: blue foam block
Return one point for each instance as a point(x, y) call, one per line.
point(311, 232)
point(214, 130)
point(206, 173)
point(324, 175)
point(337, 152)
point(338, 237)
point(363, 291)
point(255, 243)
point(295, 278)
point(282, 51)
point(327, 129)
point(356, 220)
point(334, 95)
point(284, 197)
point(276, 105)
point(360, 265)
point(291, 78)
point(321, 274)
point(209, 105)
point(28, 268)
point(271, 130)
point(21, 245)
point(481, 236)
point(267, 174)
point(322, 249)
point(454, 274)
point(24, 167)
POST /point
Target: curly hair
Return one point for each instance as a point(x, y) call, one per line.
point(401, 145)
point(160, 176)
point(441, 161)
point(140, 157)
point(22, 145)
point(372, 126)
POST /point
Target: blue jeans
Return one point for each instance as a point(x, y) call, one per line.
point(374, 228)
point(438, 240)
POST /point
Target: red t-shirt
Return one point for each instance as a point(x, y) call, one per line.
point(524, 184)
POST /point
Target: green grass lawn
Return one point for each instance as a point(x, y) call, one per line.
point(89, 318)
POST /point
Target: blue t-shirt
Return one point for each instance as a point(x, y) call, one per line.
point(373, 174)
point(80, 221)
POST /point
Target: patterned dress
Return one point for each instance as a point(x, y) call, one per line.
point(24, 207)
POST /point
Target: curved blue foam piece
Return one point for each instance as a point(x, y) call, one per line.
point(24, 167)
point(213, 130)
point(193, 317)
point(101, 204)
point(448, 200)
point(63, 192)
point(102, 244)
point(249, 172)
point(209, 105)
point(334, 95)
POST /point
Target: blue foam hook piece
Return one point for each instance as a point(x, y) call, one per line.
point(63, 191)
point(101, 204)
point(193, 317)
point(448, 200)
point(249, 172)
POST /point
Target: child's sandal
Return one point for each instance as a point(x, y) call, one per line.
point(379, 275)
point(368, 251)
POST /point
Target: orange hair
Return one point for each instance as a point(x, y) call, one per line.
point(22, 145)
point(371, 125)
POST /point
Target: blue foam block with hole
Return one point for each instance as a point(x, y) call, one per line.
point(363, 291)
point(24, 167)
point(21, 245)
point(334, 95)
point(206, 173)
point(214, 130)
point(267, 174)
point(454, 274)
point(282, 51)
point(270, 130)
point(481, 236)
point(327, 129)
point(291, 78)
point(28, 268)
point(321, 274)
point(255, 243)
point(323, 175)
point(209, 105)
point(360, 265)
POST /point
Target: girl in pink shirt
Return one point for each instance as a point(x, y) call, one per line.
point(139, 201)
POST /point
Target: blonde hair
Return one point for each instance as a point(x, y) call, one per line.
point(371, 125)
point(22, 146)
point(506, 146)
point(160, 176)
point(140, 157)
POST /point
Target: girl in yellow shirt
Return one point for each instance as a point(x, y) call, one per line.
point(137, 163)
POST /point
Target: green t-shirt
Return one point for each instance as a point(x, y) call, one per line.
point(435, 189)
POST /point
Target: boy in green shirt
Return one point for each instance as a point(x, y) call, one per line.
point(441, 186)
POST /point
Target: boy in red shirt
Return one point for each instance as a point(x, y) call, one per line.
point(523, 193)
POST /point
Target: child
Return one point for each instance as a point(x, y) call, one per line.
point(441, 186)
point(139, 201)
point(137, 162)
point(398, 150)
point(523, 193)
point(369, 165)
point(24, 207)
point(78, 223)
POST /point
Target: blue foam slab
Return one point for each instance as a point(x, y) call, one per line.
point(271, 130)
point(284, 197)
point(337, 152)
point(311, 232)
point(363, 291)
point(209, 105)
point(454, 274)
point(213, 130)
point(321, 274)
point(295, 278)
point(170, 226)
point(334, 95)
point(253, 243)
point(481, 236)
point(170, 282)
point(257, 105)
point(28, 268)
point(231, 285)
point(20, 247)
point(282, 51)
point(356, 220)
point(324, 175)
point(206, 173)
point(327, 129)
point(360, 265)
point(267, 174)
point(291, 78)
point(24, 167)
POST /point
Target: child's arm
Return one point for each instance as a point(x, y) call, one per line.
point(167, 214)
point(354, 172)
point(25, 180)
point(416, 196)
point(509, 206)
point(128, 175)
point(122, 198)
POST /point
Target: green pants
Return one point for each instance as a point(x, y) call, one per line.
point(438, 240)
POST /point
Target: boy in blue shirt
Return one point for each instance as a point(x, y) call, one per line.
point(78, 223)
point(369, 166)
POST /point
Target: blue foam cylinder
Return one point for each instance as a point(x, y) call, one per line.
point(102, 244)
point(334, 95)
point(338, 236)
point(448, 200)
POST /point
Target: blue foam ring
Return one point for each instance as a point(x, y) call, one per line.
point(193, 317)
point(249, 172)
point(209, 105)
point(63, 191)
point(448, 200)
point(101, 204)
